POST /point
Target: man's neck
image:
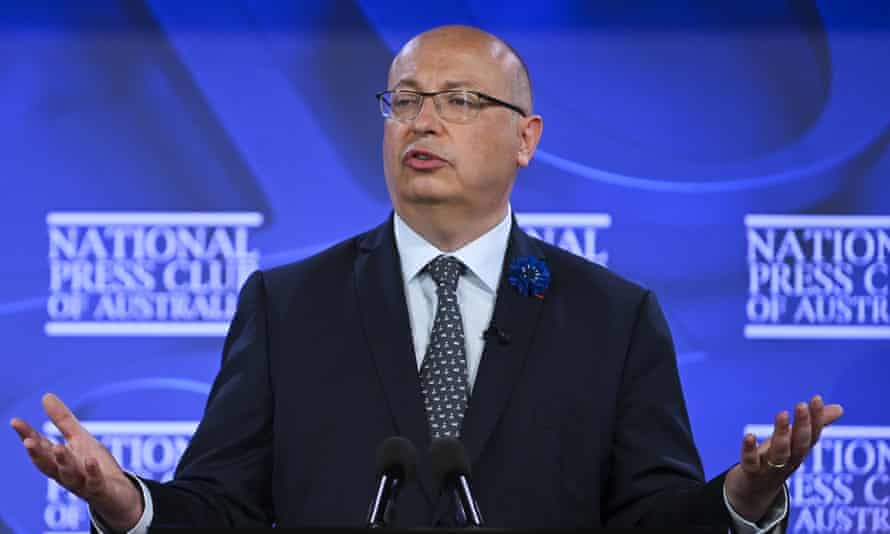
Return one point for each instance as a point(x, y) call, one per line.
point(448, 230)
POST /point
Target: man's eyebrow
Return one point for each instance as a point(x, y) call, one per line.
point(459, 84)
point(410, 83)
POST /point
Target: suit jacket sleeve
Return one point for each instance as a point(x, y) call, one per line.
point(656, 475)
point(225, 475)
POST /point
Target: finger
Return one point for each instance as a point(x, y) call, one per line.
point(40, 451)
point(26, 431)
point(750, 458)
point(36, 445)
point(61, 416)
point(70, 473)
point(817, 415)
point(39, 448)
point(801, 432)
point(831, 413)
point(23, 429)
point(764, 446)
point(94, 482)
point(780, 444)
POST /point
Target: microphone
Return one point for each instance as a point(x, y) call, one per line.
point(451, 471)
point(396, 466)
point(494, 331)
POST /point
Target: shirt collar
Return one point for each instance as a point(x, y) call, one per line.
point(483, 257)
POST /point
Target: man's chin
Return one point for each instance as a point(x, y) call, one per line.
point(429, 190)
point(429, 199)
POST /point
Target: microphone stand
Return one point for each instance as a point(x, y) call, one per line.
point(383, 508)
point(468, 513)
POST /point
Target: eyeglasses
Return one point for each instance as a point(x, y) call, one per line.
point(458, 106)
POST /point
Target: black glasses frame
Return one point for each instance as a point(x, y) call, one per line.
point(433, 94)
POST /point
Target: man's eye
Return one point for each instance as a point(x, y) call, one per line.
point(459, 101)
point(402, 102)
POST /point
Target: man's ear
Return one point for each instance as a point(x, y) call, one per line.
point(530, 130)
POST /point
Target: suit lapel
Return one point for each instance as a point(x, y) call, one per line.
point(501, 364)
point(384, 314)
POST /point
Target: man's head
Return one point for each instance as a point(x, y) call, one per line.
point(479, 158)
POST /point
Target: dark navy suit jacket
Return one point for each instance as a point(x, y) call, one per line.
point(578, 421)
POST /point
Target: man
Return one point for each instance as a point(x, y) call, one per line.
point(447, 320)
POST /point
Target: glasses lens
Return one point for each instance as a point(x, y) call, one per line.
point(385, 102)
point(458, 106)
point(401, 105)
point(453, 106)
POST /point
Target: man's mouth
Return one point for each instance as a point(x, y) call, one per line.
point(423, 160)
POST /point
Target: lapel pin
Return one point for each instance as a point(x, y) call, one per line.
point(530, 276)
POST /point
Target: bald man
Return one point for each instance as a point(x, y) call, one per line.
point(558, 376)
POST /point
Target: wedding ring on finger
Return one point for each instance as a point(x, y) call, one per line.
point(778, 465)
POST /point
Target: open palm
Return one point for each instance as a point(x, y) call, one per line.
point(81, 465)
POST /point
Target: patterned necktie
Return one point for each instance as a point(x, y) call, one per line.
point(443, 374)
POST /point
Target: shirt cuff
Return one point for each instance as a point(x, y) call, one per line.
point(769, 523)
point(142, 525)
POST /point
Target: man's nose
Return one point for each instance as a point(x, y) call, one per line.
point(428, 120)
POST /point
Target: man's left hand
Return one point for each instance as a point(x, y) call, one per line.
point(753, 484)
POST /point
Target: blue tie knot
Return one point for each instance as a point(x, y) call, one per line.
point(445, 271)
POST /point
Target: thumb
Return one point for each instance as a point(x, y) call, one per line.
point(61, 416)
point(832, 413)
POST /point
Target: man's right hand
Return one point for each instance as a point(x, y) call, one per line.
point(83, 466)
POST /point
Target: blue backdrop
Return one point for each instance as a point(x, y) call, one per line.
point(732, 157)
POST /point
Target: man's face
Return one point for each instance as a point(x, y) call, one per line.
point(479, 158)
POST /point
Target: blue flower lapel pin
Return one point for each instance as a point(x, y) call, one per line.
point(530, 276)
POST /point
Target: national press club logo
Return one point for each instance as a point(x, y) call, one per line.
point(149, 449)
point(146, 273)
point(818, 276)
point(574, 232)
point(844, 484)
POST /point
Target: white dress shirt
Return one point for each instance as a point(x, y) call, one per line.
point(476, 292)
point(476, 288)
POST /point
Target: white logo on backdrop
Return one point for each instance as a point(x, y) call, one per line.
point(844, 485)
point(574, 232)
point(149, 449)
point(818, 276)
point(151, 274)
